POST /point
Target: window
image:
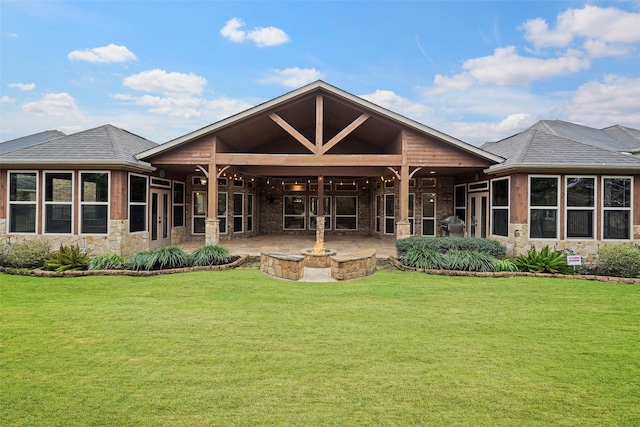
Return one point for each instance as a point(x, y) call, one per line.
point(543, 207)
point(616, 208)
point(199, 212)
point(294, 211)
point(313, 212)
point(500, 207)
point(238, 212)
point(178, 204)
point(346, 213)
point(23, 196)
point(412, 208)
point(137, 203)
point(378, 212)
point(58, 202)
point(250, 207)
point(429, 214)
point(460, 201)
point(222, 212)
point(94, 202)
point(389, 214)
point(580, 205)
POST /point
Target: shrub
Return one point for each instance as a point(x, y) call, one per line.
point(25, 254)
point(469, 261)
point(210, 255)
point(424, 257)
point(619, 260)
point(504, 265)
point(164, 258)
point(446, 244)
point(546, 261)
point(109, 262)
point(67, 258)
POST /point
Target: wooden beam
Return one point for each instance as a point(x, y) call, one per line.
point(293, 132)
point(328, 160)
point(414, 172)
point(395, 172)
point(206, 172)
point(319, 122)
point(219, 174)
point(344, 132)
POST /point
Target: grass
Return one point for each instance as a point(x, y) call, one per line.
point(237, 347)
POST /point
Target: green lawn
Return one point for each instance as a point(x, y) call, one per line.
point(239, 348)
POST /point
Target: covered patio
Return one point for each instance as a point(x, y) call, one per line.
point(294, 244)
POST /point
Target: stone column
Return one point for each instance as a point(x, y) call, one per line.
point(212, 231)
point(403, 230)
point(320, 229)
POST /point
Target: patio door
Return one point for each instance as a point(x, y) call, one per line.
point(478, 214)
point(160, 227)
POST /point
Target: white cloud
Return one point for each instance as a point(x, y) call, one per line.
point(166, 83)
point(6, 100)
point(54, 104)
point(23, 86)
point(293, 77)
point(261, 36)
point(597, 26)
point(615, 100)
point(105, 54)
point(396, 103)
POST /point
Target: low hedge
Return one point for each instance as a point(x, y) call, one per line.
point(446, 244)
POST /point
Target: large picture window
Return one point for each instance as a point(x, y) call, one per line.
point(94, 202)
point(543, 207)
point(178, 204)
point(429, 214)
point(294, 211)
point(616, 208)
point(58, 202)
point(346, 213)
point(580, 207)
point(137, 203)
point(222, 212)
point(500, 207)
point(23, 196)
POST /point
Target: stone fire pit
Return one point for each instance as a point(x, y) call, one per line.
point(317, 259)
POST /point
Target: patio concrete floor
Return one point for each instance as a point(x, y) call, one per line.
point(294, 244)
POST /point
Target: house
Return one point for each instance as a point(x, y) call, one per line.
point(320, 161)
point(565, 185)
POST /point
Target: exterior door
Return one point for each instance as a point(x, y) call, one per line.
point(160, 227)
point(478, 214)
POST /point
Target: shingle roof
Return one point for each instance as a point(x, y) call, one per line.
point(557, 144)
point(27, 141)
point(629, 136)
point(102, 145)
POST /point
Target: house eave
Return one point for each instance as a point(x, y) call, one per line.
point(562, 169)
point(258, 109)
point(93, 164)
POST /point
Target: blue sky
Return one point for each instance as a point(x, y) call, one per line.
point(477, 70)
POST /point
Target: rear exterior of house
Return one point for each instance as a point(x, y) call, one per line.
point(319, 161)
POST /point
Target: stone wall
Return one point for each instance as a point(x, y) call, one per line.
point(353, 266)
point(519, 243)
point(119, 240)
point(281, 265)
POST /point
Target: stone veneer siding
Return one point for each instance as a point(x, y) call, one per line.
point(518, 242)
point(119, 240)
